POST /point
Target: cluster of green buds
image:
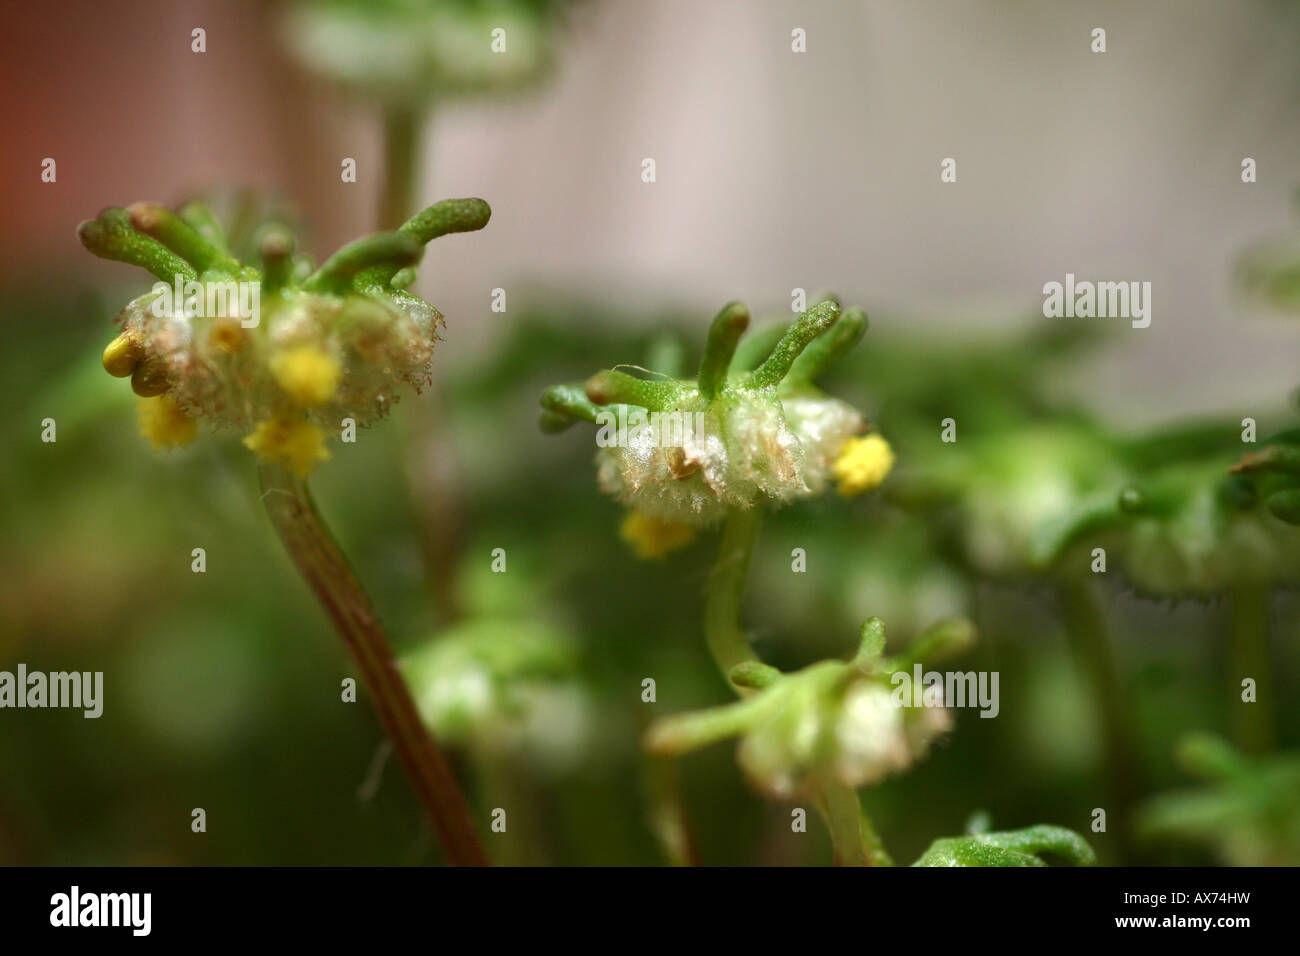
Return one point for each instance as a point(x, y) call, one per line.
point(750, 428)
point(284, 352)
point(834, 722)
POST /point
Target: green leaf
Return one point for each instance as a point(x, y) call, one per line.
point(1010, 848)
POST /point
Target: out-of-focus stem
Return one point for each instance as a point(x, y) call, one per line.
point(501, 776)
point(722, 630)
point(852, 835)
point(854, 838)
point(433, 478)
point(667, 812)
point(402, 129)
point(1252, 724)
point(436, 489)
point(1089, 638)
point(313, 549)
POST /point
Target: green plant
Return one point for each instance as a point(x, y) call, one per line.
point(406, 56)
point(1246, 810)
point(1012, 848)
point(319, 348)
point(765, 435)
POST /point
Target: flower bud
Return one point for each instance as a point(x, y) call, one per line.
point(749, 429)
point(835, 721)
point(279, 353)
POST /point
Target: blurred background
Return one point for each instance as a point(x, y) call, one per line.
point(775, 170)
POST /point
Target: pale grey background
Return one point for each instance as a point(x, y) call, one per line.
point(775, 169)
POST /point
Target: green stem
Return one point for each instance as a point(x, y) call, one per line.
point(668, 817)
point(435, 484)
point(855, 840)
point(402, 135)
point(1252, 723)
point(1089, 638)
point(726, 639)
point(504, 779)
point(313, 549)
point(432, 473)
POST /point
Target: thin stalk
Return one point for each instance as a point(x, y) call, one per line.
point(436, 489)
point(854, 839)
point(729, 646)
point(1252, 723)
point(1089, 639)
point(668, 817)
point(432, 475)
point(501, 776)
point(311, 546)
point(852, 835)
point(402, 136)
point(726, 588)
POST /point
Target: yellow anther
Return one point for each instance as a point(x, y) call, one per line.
point(297, 443)
point(863, 463)
point(307, 373)
point(653, 538)
point(122, 356)
point(163, 423)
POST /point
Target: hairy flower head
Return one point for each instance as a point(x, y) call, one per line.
point(258, 348)
point(750, 428)
point(833, 722)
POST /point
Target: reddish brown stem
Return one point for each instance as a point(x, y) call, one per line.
point(313, 549)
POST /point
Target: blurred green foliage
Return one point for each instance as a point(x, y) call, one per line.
point(223, 690)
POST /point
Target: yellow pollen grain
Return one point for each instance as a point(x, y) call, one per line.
point(298, 444)
point(164, 424)
point(862, 464)
point(307, 374)
point(653, 538)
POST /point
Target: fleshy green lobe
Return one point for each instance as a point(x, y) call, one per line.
point(797, 338)
point(111, 237)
